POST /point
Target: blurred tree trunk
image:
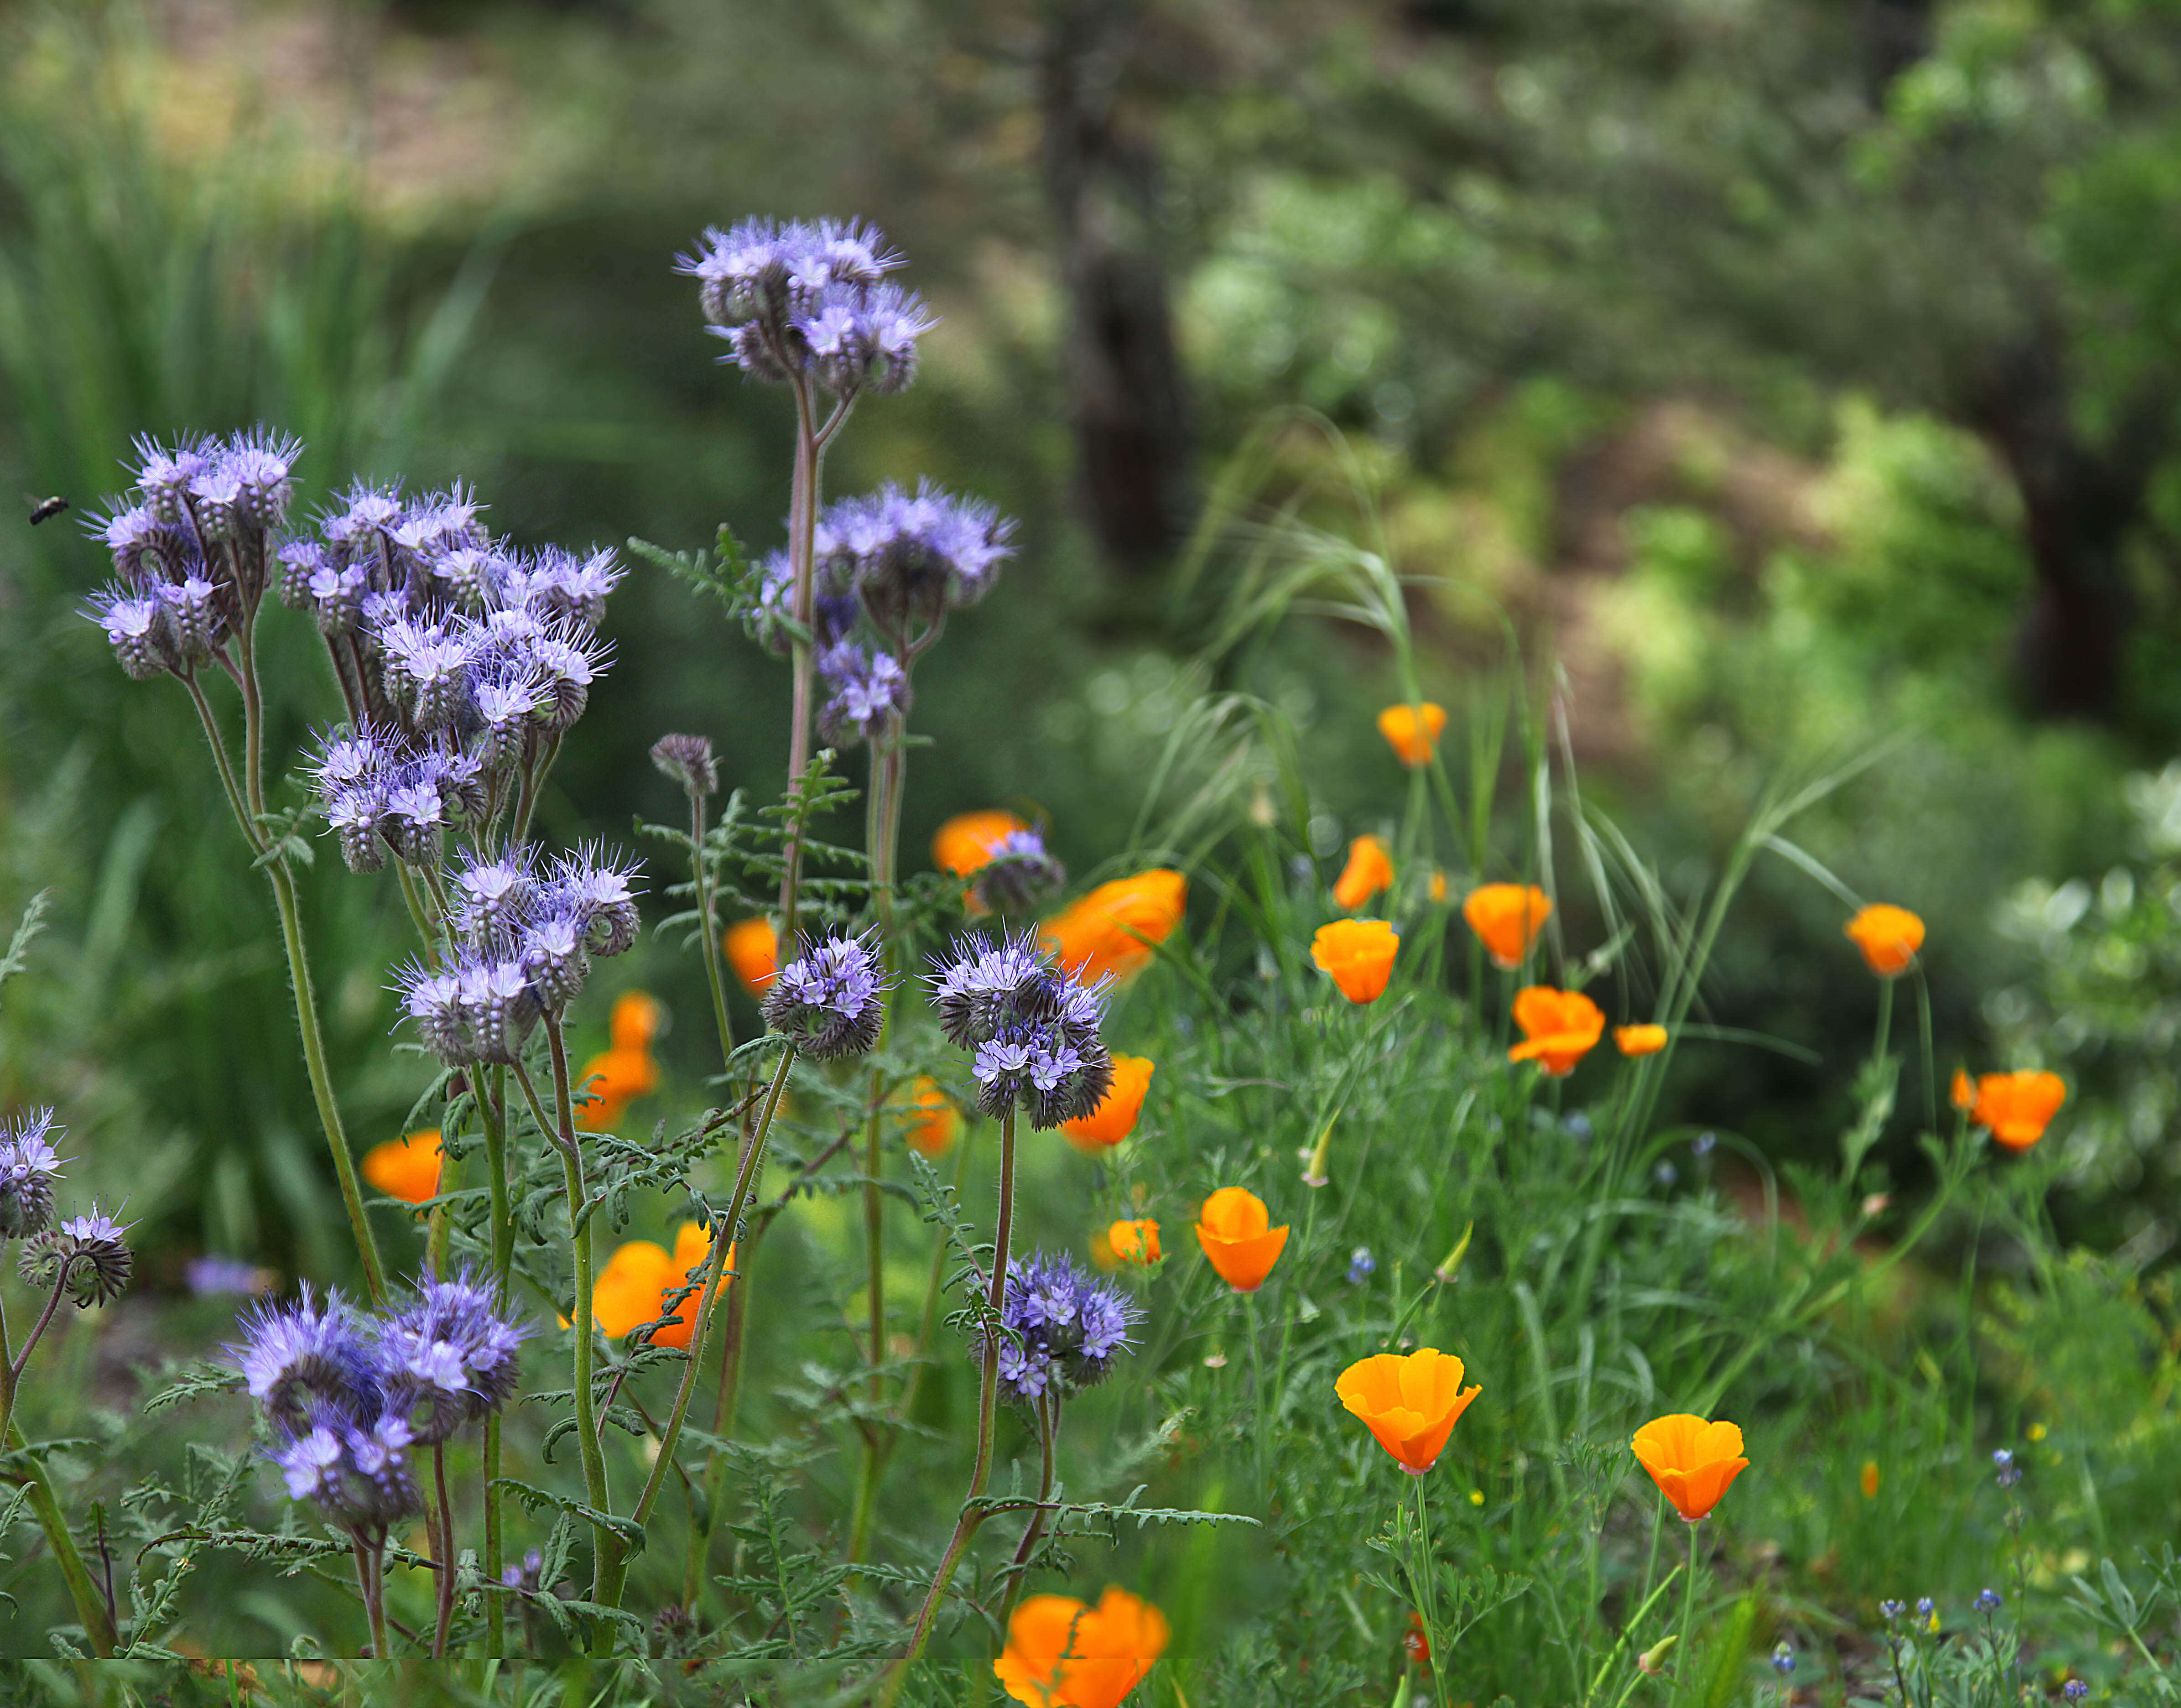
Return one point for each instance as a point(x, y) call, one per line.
point(1127, 396)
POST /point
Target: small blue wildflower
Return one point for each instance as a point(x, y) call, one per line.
point(2075, 1689)
point(1361, 1264)
point(1783, 1659)
point(1892, 1609)
point(869, 691)
point(2009, 1472)
point(1017, 874)
point(1987, 1601)
point(449, 1355)
point(831, 1001)
point(1578, 1124)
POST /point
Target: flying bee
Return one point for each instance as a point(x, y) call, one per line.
point(47, 509)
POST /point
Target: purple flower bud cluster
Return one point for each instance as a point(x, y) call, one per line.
point(911, 556)
point(524, 942)
point(87, 1256)
point(1034, 1032)
point(1018, 876)
point(810, 300)
point(868, 690)
point(347, 1395)
point(1063, 1328)
point(193, 551)
point(29, 1166)
point(831, 1002)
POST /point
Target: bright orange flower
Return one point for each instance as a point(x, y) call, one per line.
point(1115, 1117)
point(1409, 1403)
point(936, 1123)
point(1559, 1028)
point(1438, 885)
point(752, 949)
point(1234, 1227)
point(1508, 917)
point(1889, 938)
point(1114, 928)
point(1639, 1041)
point(617, 1077)
point(631, 1290)
point(1064, 1653)
point(1358, 955)
point(2017, 1108)
point(1412, 731)
point(1369, 871)
point(636, 1016)
point(1871, 1479)
point(964, 843)
point(1961, 1094)
point(407, 1169)
point(1692, 1461)
point(1135, 1242)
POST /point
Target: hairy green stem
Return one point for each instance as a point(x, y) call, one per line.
point(89, 1604)
point(709, 929)
point(801, 549)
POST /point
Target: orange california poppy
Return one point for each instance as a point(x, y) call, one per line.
point(1559, 1028)
point(632, 1289)
point(1115, 1117)
point(1889, 938)
point(1409, 1403)
point(617, 1078)
point(1114, 928)
point(1961, 1094)
point(1062, 1654)
point(1234, 1227)
point(1639, 1041)
point(1358, 955)
point(752, 949)
point(1871, 1479)
point(1508, 917)
point(1439, 885)
point(407, 1169)
point(1412, 731)
point(1369, 872)
point(636, 1016)
point(2017, 1107)
point(1692, 1461)
point(964, 843)
point(933, 1121)
point(1135, 1242)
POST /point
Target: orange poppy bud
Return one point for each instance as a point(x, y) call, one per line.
point(1062, 1654)
point(1369, 870)
point(1358, 955)
point(1508, 917)
point(1438, 885)
point(615, 1079)
point(1234, 1227)
point(1639, 1041)
point(1410, 1404)
point(407, 1169)
point(1692, 1461)
point(752, 949)
point(935, 1123)
point(1135, 1242)
point(1869, 1479)
point(632, 1287)
point(1889, 938)
point(1412, 731)
point(2017, 1108)
point(1115, 1117)
point(964, 843)
point(1559, 1028)
point(1961, 1094)
point(637, 1016)
point(1115, 928)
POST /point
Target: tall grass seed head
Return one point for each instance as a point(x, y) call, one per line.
point(86, 1255)
point(831, 1001)
point(29, 1166)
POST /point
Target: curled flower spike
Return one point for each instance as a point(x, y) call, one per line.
point(1358, 955)
point(29, 1166)
point(1692, 1461)
point(1061, 1653)
point(1064, 1329)
point(1413, 732)
point(831, 1002)
point(292, 1354)
point(88, 1255)
point(752, 947)
point(1639, 1041)
point(1369, 872)
point(1559, 1028)
point(966, 841)
point(911, 557)
point(2017, 1108)
point(1409, 1403)
point(448, 1357)
point(1114, 931)
point(1115, 1117)
point(1235, 1230)
point(1507, 918)
point(689, 760)
point(1889, 938)
point(407, 1167)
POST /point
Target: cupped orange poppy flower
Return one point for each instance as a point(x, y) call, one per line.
point(933, 1121)
point(1115, 1117)
point(964, 843)
point(1359, 955)
point(1135, 1242)
point(1369, 872)
point(1234, 1229)
point(1439, 885)
point(1412, 731)
point(1409, 1403)
point(1889, 938)
point(1559, 1028)
point(1508, 918)
point(1692, 1460)
point(1115, 929)
point(1639, 1041)
point(753, 949)
point(637, 1018)
point(1061, 1653)
point(2018, 1108)
point(632, 1289)
point(407, 1169)
point(614, 1079)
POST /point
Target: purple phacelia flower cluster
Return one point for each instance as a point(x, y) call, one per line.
point(867, 691)
point(1017, 876)
point(829, 1002)
point(1063, 1328)
point(523, 939)
point(29, 1166)
point(347, 1395)
point(798, 300)
point(1032, 1031)
point(86, 1257)
point(913, 556)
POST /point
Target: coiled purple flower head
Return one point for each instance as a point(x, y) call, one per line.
point(291, 1354)
point(869, 690)
point(88, 1257)
point(1034, 1033)
point(914, 555)
point(29, 1166)
point(449, 1358)
point(688, 761)
point(831, 1001)
point(1064, 1327)
point(1017, 874)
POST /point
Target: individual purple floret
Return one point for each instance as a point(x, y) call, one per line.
point(831, 1002)
point(449, 1358)
point(1017, 874)
point(869, 691)
point(599, 896)
point(87, 1256)
point(1064, 1327)
point(29, 1166)
point(1033, 1034)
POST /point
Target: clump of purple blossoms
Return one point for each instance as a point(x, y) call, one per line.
point(1017, 876)
point(913, 556)
point(866, 692)
point(799, 300)
point(1032, 1031)
point(29, 1166)
point(1063, 1328)
point(523, 941)
point(831, 1002)
point(87, 1257)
